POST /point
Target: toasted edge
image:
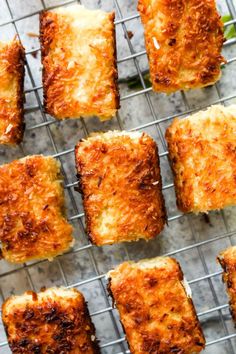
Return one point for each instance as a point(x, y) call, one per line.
point(226, 280)
point(62, 215)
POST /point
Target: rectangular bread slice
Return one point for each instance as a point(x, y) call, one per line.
point(155, 307)
point(32, 222)
point(79, 62)
point(202, 151)
point(183, 41)
point(12, 60)
point(120, 181)
point(227, 259)
point(53, 321)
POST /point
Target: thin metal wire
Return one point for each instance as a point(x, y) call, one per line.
point(146, 125)
point(69, 185)
point(132, 56)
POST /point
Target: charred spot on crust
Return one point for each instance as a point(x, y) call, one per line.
point(152, 282)
point(67, 324)
point(58, 336)
point(28, 314)
point(30, 169)
point(36, 349)
point(150, 345)
point(159, 79)
point(99, 181)
point(25, 346)
point(52, 315)
point(171, 42)
point(24, 342)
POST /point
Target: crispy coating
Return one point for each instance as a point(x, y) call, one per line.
point(120, 181)
point(155, 307)
point(202, 151)
point(12, 59)
point(32, 225)
point(227, 260)
point(53, 321)
point(79, 62)
point(183, 39)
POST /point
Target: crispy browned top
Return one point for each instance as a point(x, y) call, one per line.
point(202, 150)
point(227, 260)
point(157, 315)
point(121, 185)
point(56, 322)
point(12, 59)
point(31, 210)
point(184, 39)
point(79, 61)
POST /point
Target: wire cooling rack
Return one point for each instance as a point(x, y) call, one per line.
point(193, 240)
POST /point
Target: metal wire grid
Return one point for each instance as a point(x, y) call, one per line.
point(209, 276)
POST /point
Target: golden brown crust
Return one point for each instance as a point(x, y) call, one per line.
point(202, 153)
point(79, 63)
point(120, 180)
point(184, 39)
point(156, 313)
point(54, 321)
point(32, 225)
point(12, 60)
point(227, 260)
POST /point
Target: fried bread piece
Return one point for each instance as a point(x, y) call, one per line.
point(79, 62)
point(155, 307)
point(12, 60)
point(120, 181)
point(53, 321)
point(202, 151)
point(32, 223)
point(183, 39)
